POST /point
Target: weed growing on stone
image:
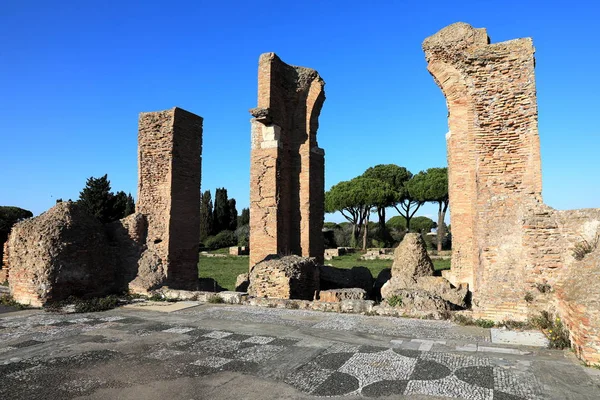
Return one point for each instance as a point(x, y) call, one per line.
point(585, 247)
point(5, 283)
point(216, 299)
point(515, 325)
point(528, 297)
point(553, 328)
point(484, 323)
point(467, 320)
point(394, 301)
point(292, 305)
point(8, 301)
point(78, 305)
point(543, 287)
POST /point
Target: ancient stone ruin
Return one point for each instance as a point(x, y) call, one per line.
point(169, 161)
point(65, 252)
point(413, 281)
point(510, 248)
point(289, 277)
point(287, 165)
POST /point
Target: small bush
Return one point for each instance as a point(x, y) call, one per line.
point(216, 299)
point(519, 325)
point(395, 301)
point(554, 330)
point(463, 319)
point(8, 301)
point(292, 305)
point(84, 305)
point(528, 297)
point(468, 320)
point(484, 323)
point(221, 240)
point(97, 304)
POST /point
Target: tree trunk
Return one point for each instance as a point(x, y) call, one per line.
point(440, 228)
point(441, 231)
point(365, 233)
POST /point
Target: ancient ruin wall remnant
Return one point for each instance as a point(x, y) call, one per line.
point(493, 150)
point(169, 160)
point(287, 166)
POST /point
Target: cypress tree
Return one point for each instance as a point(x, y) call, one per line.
point(97, 198)
point(233, 215)
point(221, 213)
point(206, 215)
point(244, 219)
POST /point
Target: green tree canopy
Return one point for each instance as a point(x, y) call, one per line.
point(355, 198)
point(432, 186)
point(395, 177)
point(98, 200)
point(418, 224)
point(398, 178)
point(244, 218)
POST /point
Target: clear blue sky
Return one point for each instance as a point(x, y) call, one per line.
point(74, 75)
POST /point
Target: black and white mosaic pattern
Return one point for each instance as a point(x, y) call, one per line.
point(372, 372)
point(56, 360)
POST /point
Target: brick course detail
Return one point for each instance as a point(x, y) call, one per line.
point(287, 166)
point(169, 162)
point(508, 246)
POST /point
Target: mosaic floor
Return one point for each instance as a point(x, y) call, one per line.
point(67, 355)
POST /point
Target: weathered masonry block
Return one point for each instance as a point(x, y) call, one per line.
point(169, 162)
point(516, 254)
point(287, 165)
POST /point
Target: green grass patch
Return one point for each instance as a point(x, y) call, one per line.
point(226, 269)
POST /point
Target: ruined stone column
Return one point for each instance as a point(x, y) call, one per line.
point(287, 166)
point(169, 162)
point(493, 155)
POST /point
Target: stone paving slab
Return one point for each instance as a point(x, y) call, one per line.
point(202, 353)
point(162, 306)
point(525, 338)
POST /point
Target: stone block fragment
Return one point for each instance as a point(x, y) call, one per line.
point(289, 277)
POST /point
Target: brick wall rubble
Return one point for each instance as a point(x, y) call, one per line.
point(509, 247)
point(289, 277)
point(66, 252)
point(287, 165)
point(59, 253)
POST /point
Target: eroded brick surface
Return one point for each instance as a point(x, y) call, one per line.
point(170, 148)
point(287, 166)
point(508, 246)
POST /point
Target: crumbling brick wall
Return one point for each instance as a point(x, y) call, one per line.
point(62, 252)
point(287, 166)
point(508, 246)
point(169, 161)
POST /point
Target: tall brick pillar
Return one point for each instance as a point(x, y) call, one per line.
point(493, 157)
point(287, 166)
point(169, 161)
